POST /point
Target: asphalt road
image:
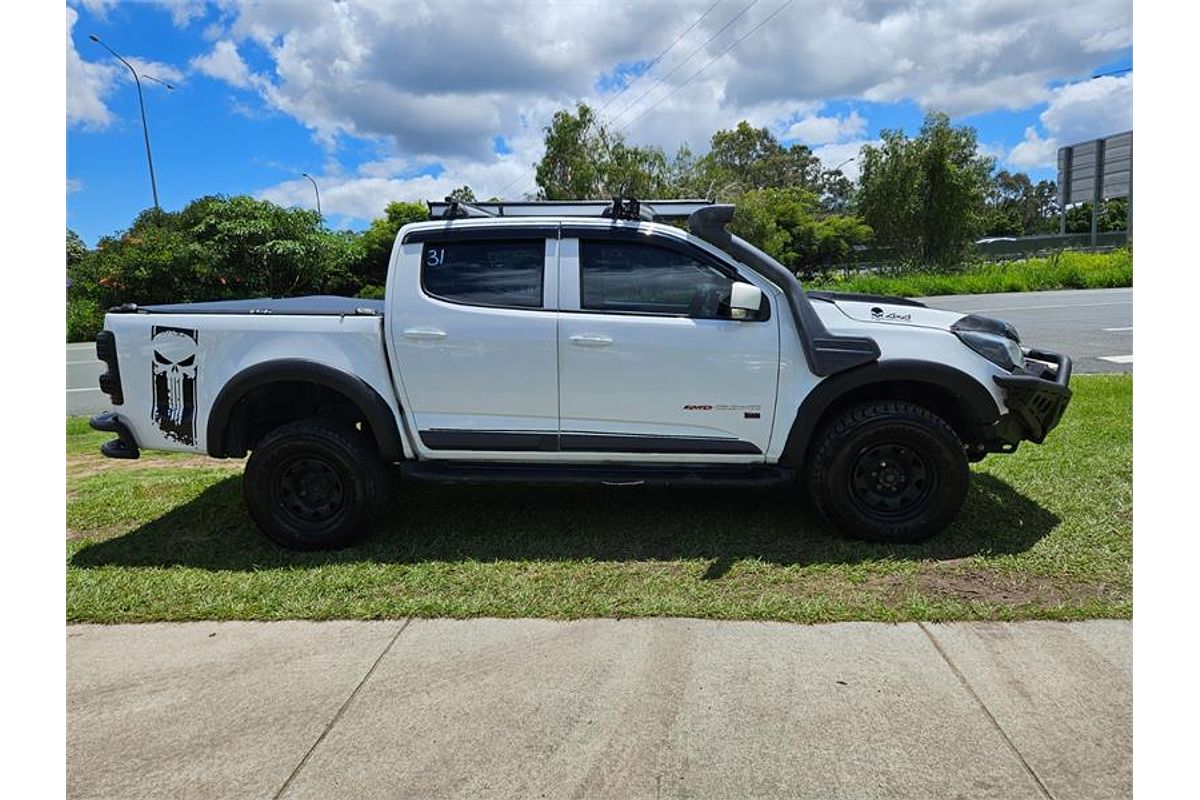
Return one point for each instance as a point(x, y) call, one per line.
point(1093, 326)
point(83, 373)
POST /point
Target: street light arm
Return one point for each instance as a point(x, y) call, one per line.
point(142, 105)
point(315, 189)
point(116, 55)
point(159, 80)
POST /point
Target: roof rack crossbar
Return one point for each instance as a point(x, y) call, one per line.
point(627, 208)
point(452, 209)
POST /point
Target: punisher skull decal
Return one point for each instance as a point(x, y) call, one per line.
point(174, 373)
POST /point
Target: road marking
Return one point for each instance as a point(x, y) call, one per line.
point(1118, 329)
point(1118, 359)
point(96, 389)
point(1066, 305)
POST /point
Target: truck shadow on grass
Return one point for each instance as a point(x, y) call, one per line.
point(526, 523)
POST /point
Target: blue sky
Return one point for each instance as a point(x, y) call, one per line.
point(405, 103)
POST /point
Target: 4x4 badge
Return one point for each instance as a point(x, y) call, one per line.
point(892, 316)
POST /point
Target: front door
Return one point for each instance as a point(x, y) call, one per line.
point(651, 362)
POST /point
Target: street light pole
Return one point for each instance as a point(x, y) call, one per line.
point(844, 163)
point(142, 105)
point(315, 189)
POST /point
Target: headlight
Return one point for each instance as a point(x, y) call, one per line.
point(1000, 350)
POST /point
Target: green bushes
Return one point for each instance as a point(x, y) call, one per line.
point(85, 318)
point(1064, 270)
point(215, 248)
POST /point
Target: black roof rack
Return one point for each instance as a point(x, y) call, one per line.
point(617, 208)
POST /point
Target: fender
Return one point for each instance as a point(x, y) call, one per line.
point(977, 405)
point(374, 409)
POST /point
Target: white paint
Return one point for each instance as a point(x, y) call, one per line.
point(1118, 359)
point(1118, 329)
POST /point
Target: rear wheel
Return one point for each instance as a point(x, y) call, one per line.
point(314, 484)
point(889, 471)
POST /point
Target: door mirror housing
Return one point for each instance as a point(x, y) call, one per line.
point(745, 300)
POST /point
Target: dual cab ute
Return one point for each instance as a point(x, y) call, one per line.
point(583, 342)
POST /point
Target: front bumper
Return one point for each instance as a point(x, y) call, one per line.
point(1036, 397)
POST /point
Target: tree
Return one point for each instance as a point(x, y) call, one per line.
point(217, 247)
point(1114, 216)
point(789, 225)
point(748, 158)
point(586, 161)
point(925, 196)
point(462, 194)
point(76, 249)
point(378, 239)
point(1018, 207)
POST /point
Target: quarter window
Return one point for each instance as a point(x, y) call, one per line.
point(505, 274)
point(624, 277)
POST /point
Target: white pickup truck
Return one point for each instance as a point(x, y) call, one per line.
point(579, 342)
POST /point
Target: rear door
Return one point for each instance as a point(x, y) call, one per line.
point(473, 327)
point(651, 364)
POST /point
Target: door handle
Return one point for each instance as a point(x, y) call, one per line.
point(424, 334)
point(589, 340)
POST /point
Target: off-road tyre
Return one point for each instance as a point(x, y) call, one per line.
point(888, 471)
point(314, 484)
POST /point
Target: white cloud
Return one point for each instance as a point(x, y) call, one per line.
point(98, 8)
point(1077, 112)
point(814, 129)
point(1089, 109)
point(155, 69)
point(843, 156)
point(457, 80)
point(87, 85)
point(439, 87)
point(74, 185)
point(184, 11)
point(1033, 151)
point(224, 63)
point(365, 193)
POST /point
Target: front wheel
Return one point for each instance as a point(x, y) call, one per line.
point(313, 484)
point(889, 471)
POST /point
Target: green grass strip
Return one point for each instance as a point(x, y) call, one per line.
point(1066, 270)
point(1045, 534)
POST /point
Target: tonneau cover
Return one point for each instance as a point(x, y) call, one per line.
point(320, 305)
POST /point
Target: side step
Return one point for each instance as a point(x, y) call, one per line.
point(124, 446)
point(755, 475)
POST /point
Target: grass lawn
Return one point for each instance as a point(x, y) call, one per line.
point(1045, 533)
point(1065, 270)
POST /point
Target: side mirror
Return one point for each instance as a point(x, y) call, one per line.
point(744, 301)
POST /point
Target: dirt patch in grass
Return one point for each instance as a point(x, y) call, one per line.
point(83, 466)
point(1008, 589)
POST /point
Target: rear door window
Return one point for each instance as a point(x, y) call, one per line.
point(505, 274)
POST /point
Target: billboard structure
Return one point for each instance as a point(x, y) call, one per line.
point(1095, 171)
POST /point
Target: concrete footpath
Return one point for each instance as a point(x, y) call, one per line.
point(655, 708)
